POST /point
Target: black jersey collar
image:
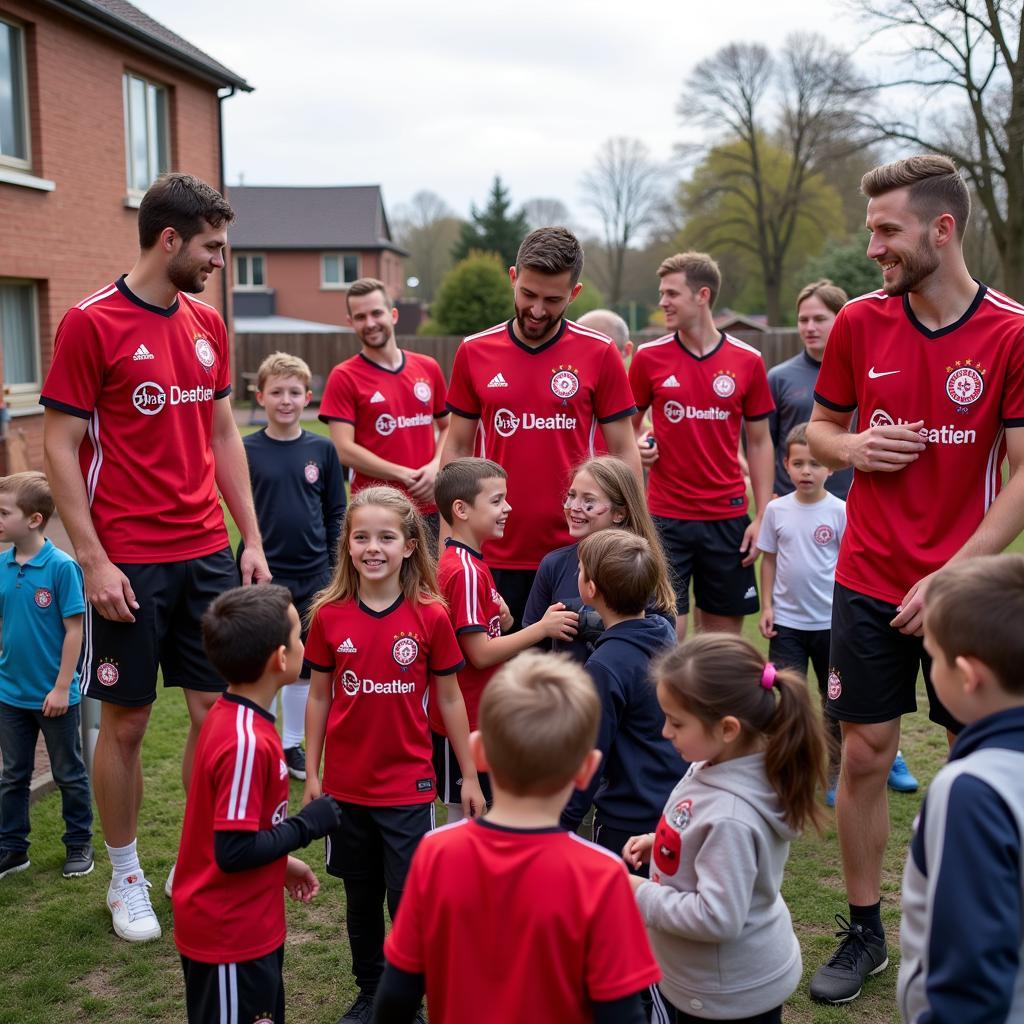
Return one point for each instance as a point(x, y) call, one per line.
point(943, 331)
point(385, 369)
point(236, 698)
point(708, 355)
point(540, 348)
point(549, 830)
point(142, 304)
point(449, 543)
point(387, 611)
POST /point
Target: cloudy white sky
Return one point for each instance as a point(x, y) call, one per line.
point(444, 95)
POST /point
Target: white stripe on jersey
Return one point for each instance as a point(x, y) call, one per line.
point(1003, 303)
point(451, 824)
point(496, 329)
point(236, 779)
point(741, 344)
point(86, 676)
point(92, 478)
point(593, 436)
point(96, 296)
point(250, 756)
point(472, 587)
point(593, 846)
point(588, 332)
point(192, 298)
point(992, 469)
point(481, 437)
point(657, 341)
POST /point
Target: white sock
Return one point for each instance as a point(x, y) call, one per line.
point(293, 714)
point(124, 860)
point(455, 813)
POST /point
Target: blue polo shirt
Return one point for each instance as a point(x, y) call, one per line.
point(35, 598)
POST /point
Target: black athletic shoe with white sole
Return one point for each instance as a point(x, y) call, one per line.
point(861, 954)
point(79, 861)
point(360, 1012)
point(11, 863)
point(295, 759)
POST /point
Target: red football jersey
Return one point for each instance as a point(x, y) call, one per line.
point(474, 606)
point(146, 379)
point(239, 783)
point(377, 749)
point(966, 382)
point(539, 411)
point(698, 407)
point(393, 411)
point(540, 923)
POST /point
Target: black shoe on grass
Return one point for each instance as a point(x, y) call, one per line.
point(360, 1012)
point(861, 954)
point(295, 759)
point(79, 861)
point(11, 862)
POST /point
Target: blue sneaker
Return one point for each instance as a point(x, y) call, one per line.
point(830, 795)
point(900, 779)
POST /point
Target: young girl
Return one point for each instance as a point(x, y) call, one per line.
point(719, 928)
point(377, 634)
point(603, 493)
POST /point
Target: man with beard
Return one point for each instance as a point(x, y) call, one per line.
point(139, 437)
point(933, 363)
point(531, 394)
point(385, 408)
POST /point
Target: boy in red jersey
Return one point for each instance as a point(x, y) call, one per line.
point(385, 407)
point(510, 917)
point(702, 386)
point(471, 496)
point(228, 908)
point(534, 392)
point(933, 363)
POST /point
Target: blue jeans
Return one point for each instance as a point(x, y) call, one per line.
point(19, 729)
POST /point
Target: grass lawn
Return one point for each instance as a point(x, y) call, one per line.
point(62, 963)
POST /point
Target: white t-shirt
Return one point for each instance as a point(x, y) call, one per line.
point(805, 538)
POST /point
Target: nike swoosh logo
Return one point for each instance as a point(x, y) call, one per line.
point(874, 375)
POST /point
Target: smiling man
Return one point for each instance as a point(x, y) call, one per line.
point(933, 364)
point(534, 392)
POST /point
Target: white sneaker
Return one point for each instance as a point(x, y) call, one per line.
point(132, 911)
point(169, 884)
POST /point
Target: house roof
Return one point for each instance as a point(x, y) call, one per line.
point(297, 217)
point(126, 22)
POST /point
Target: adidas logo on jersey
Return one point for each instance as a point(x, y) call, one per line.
point(142, 353)
point(347, 647)
point(498, 381)
point(377, 397)
point(670, 382)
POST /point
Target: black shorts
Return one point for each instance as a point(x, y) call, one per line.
point(796, 648)
point(873, 667)
point(303, 590)
point(514, 585)
point(120, 660)
point(371, 841)
point(708, 551)
point(449, 774)
point(252, 990)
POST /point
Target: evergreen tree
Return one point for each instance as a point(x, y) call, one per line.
point(494, 228)
point(474, 295)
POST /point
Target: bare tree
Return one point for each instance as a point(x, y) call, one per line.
point(623, 188)
point(542, 212)
point(428, 229)
point(967, 56)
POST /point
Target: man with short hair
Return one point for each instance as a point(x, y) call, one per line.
point(933, 363)
point(138, 438)
point(702, 385)
point(385, 407)
point(607, 321)
point(535, 391)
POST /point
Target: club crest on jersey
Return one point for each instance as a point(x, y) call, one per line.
point(349, 682)
point(494, 627)
point(406, 650)
point(724, 384)
point(835, 684)
point(681, 815)
point(674, 411)
point(823, 534)
point(421, 389)
point(965, 383)
point(311, 472)
point(386, 424)
point(44, 597)
point(565, 382)
point(204, 352)
point(106, 673)
point(281, 810)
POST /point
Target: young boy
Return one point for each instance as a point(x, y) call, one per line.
point(799, 542)
point(470, 495)
point(229, 921)
point(42, 606)
point(962, 951)
point(509, 917)
point(639, 767)
point(299, 492)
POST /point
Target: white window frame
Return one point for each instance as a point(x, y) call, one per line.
point(343, 284)
point(248, 257)
point(26, 394)
point(7, 160)
point(134, 194)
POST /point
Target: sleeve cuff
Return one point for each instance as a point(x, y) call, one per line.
point(631, 411)
point(758, 416)
point(71, 410)
point(223, 393)
point(457, 667)
point(318, 668)
point(1013, 423)
point(327, 418)
point(473, 628)
point(463, 413)
point(834, 406)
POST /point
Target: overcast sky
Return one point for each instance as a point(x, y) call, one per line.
point(442, 96)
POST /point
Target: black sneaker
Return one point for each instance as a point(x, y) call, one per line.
point(11, 863)
point(295, 758)
point(361, 1010)
point(860, 955)
point(78, 862)
point(420, 1018)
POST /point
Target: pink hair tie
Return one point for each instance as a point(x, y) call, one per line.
point(768, 675)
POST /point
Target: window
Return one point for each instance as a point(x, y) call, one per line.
point(147, 145)
point(14, 148)
point(249, 271)
point(20, 333)
point(338, 269)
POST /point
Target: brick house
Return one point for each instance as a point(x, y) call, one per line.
point(296, 249)
point(96, 99)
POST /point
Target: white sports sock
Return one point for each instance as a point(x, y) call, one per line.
point(455, 813)
point(293, 714)
point(124, 860)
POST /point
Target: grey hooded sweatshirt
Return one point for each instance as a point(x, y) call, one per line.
point(718, 925)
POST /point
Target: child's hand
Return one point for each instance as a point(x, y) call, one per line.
point(637, 850)
point(559, 623)
point(504, 615)
point(767, 624)
point(473, 803)
point(312, 789)
point(299, 880)
point(55, 703)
